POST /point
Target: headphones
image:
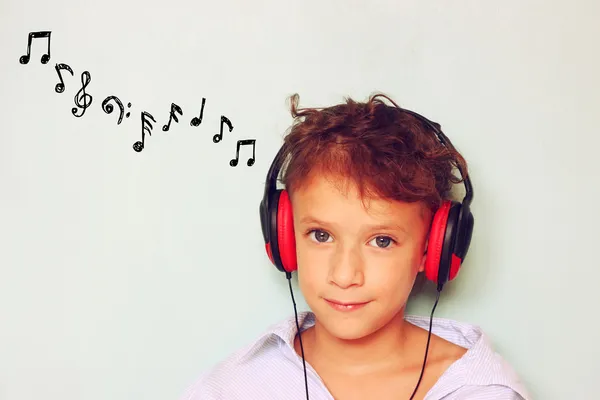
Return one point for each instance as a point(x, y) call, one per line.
point(449, 236)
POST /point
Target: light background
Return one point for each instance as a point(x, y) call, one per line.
point(123, 275)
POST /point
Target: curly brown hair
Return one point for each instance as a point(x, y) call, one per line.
point(386, 152)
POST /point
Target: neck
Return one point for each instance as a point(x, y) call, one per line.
point(388, 347)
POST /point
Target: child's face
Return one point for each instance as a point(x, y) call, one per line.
point(352, 254)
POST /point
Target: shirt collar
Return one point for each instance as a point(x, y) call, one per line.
point(472, 369)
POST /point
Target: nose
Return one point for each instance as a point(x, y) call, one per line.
point(346, 267)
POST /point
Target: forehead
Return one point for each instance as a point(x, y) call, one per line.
point(332, 197)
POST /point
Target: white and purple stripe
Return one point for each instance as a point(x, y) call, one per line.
point(269, 368)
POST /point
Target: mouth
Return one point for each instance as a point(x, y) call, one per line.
point(345, 306)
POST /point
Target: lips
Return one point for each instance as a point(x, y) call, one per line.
point(345, 303)
point(345, 306)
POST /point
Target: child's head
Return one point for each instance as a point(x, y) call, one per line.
point(364, 181)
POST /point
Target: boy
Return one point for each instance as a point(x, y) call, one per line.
point(364, 211)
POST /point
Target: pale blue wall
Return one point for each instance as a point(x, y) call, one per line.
point(117, 267)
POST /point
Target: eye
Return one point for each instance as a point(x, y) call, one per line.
point(319, 236)
point(383, 241)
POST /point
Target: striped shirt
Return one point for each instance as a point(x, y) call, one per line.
point(270, 368)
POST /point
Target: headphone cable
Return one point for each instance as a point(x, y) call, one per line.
point(289, 278)
point(439, 291)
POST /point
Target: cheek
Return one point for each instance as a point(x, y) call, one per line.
point(393, 277)
point(310, 267)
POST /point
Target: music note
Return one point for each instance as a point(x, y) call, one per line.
point(35, 35)
point(241, 143)
point(172, 116)
point(108, 108)
point(224, 120)
point(146, 128)
point(82, 99)
point(60, 87)
point(196, 121)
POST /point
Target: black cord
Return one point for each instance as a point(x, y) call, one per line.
point(439, 291)
point(289, 278)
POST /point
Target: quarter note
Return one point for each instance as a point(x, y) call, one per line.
point(224, 120)
point(60, 87)
point(146, 128)
point(241, 143)
point(173, 116)
point(197, 121)
point(36, 35)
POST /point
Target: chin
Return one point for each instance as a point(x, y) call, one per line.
point(348, 331)
point(352, 325)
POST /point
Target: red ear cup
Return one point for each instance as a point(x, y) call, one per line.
point(454, 267)
point(436, 241)
point(285, 233)
point(269, 252)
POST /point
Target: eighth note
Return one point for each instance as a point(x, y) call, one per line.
point(172, 116)
point(240, 143)
point(60, 87)
point(82, 99)
point(146, 127)
point(196, 121)
point(219, 136)
point(35, 35)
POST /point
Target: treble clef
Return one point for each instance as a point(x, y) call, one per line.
point(82, 99)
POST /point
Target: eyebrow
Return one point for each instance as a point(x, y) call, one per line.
point(311, 220)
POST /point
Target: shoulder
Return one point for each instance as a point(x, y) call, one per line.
point(256, 370)
point(480, 373)
point(238, 373)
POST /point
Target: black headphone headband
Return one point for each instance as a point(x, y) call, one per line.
point(273, 173)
